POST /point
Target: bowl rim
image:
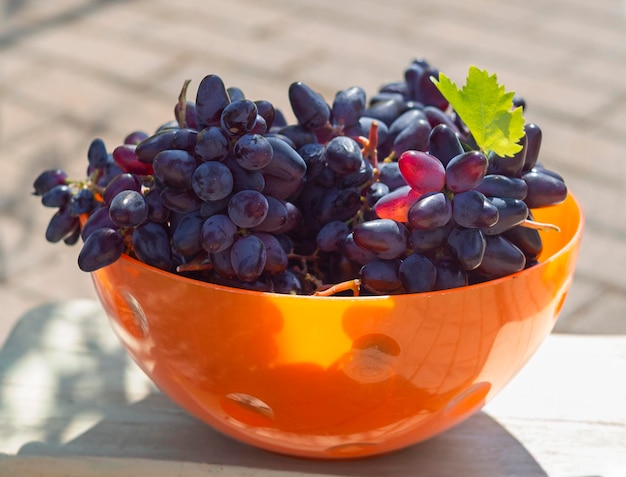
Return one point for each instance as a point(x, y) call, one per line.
point(402, 296)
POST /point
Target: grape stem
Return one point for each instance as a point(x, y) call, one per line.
point(353, 285)
point(181, 115)
point(370, 145)
point(195, 265)
point(532, 224)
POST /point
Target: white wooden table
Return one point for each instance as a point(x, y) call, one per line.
point(73, 404)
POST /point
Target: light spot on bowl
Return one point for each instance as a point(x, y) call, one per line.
point(248, 409)
point(469, 401)
point(131, 315)
point(351, 449)
point(372, 358)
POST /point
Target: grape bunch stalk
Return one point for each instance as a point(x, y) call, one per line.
point(424, 186)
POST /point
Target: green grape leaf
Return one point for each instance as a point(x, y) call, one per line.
point(487, 110)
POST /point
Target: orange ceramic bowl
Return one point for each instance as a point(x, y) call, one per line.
point(338, 377)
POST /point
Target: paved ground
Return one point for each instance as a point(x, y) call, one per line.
point(71, 70)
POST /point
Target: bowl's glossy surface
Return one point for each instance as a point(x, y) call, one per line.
point(338, 377)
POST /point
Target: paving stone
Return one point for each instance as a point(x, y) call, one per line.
point(583, 294)
point(71, 70)
point(602, 258)
point(606, 314)
point(98, 50)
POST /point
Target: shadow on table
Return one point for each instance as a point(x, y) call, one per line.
point(478, 447)
point(67, 388)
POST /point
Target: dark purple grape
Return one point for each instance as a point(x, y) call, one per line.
point(466, 171)
point(99, 219)
point(314, 156)
point(309, 107)
point(437, 117)
point(294, 218)
point(496, 185)
point(218, 233)
point(399, 87)
point(286, 163)
point(283, 189)
point(222, 265)
point(413, 137)
point(510, 166)
point(429, 95)
point(385, 238)
point(404, 120)
point(157, 212)
point(543, 189)
point(97, 154)
point(248, 257)
point(211, 99)
point(375, 192)
point(128, 209)
point(473, 209)
point(180, 201)
point(526, 239)
point(390, 175)
point(147, 149)
point(348, 106)
point(260, 126)
point(386, 111)
point(151, 244)
point(253, 151)
point(429, 239)
point(187, 236)
point(135, 137)
point(287, 283)
point(101, 248)
point(212, 144)
point(417, 273)
point(276, 260)
point(343, 155)
point(501, 258)
point(331, 235)
point(125, 181)
point(266, 110)
point(298, 135)
point(430, 211)
point(248, 208)
point(73, 237)
point(276, 217)
point(533, 145)
point(81, 202)
point(239, 117)
point(48, 179)
point(449, 274)
point(381, 277)
point(468, 246)
point(511, 212)
point(235, 93)
point(354, 253)
point(444, 144)
point(58, 196)
point(212, 181)
point(60, 225)
point(244, 179)
point(185, 139)
point(212, 207)
point(338, 204)
point(175, 168)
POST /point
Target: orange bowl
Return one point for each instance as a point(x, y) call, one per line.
point(338, 377)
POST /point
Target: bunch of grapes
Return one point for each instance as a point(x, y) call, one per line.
point(381, 196)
